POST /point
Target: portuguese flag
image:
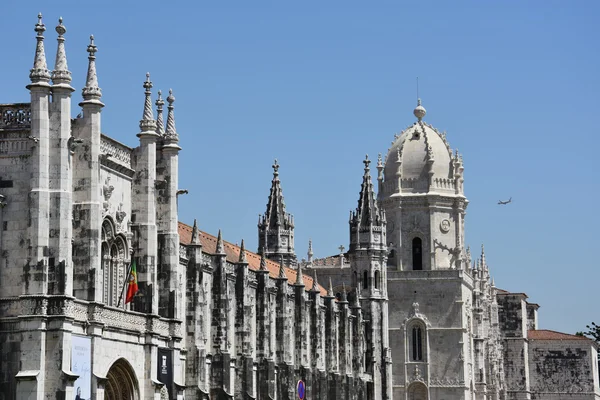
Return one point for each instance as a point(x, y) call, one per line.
point(133, 283)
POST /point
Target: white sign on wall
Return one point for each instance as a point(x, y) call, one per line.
point(81, 364)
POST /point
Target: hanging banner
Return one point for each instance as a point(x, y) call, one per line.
point(165, 369)
point(81, 364)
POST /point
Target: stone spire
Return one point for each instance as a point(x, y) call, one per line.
point(310, 251)
point(367, 214)
point(147, 123)
point(367, 204)
point(39, 74)
point(91, 92)
point(282, 274)
point(276, 226)
point(330, 289)
point(263, 263)
point(160, 125)
point(483, 263)
point(315, 285)
point(61, 74)
point(220, 248)
point(171, 133)
point(344, 296)
point(195, 234)
point(243, 259)
point(299, 277)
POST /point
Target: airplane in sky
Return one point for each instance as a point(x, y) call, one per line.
point(505, 202)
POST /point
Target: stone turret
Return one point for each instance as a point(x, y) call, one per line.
point(144, 208)
point(61, 181)
point(87, 204)
point(167, 173)
point(39, 201)
point(276, 226)
point(368, 260)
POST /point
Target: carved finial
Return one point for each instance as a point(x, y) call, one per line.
point(275, 168)
point(148, 115)
point(415, 309)
point(195, 234)
point(243, 259)
point(419, 111)
point(160, 125)
point(61, 74)
point(147, 123)
point(367, 162)
point(171, 132)
point(91, 92)
point(310, 251)
point(379, 161)
point(39, 73)
point(220, 247)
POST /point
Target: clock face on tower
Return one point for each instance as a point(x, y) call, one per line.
point(445, 226)
point(284, 241)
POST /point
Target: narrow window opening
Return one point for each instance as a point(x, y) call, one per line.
point(376, 279)
point(417, 255)
point(417, 344)
point(365, 280)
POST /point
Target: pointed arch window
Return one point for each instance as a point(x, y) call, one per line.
point(417, 343)
point(113, 256)
point(417, 254)
point(376, 279)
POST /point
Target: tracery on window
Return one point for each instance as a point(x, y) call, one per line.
point(416, 341)
point(113, 258)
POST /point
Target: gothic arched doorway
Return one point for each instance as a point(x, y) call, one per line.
point(417, 391)
point(121, 383)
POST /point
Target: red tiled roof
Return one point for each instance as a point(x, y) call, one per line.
point(545, 334)
point(209, 246)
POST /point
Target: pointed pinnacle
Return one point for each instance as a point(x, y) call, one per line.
point(299, 277)
point(195, 234)
point(282, 273)
point(160, 125)
point(220, 248)
point(315, 285)
point(39, 73)
point(330, 289)
point(61, 73)
point(171, 132)
point(263, 262)
point(344, 294)
point(91, 92)
point(243, 259)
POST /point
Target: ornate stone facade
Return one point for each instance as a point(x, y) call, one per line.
point(407, 314)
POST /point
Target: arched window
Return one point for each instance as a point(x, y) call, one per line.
point(417, 254)
point(365, 280)
point(416, 342)
point(376, 279)
point(113, 256)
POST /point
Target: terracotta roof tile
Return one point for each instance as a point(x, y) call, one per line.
point(545, 334)
point(209, 246)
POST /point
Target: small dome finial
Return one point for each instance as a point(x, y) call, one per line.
point(419, 111)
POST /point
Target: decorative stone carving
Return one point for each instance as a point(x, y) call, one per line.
point(445, 226)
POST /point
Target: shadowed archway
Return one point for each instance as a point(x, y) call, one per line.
point(121, 382)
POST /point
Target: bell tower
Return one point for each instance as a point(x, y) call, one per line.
point(429, 287)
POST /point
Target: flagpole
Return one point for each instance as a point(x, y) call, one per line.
point(126, 282)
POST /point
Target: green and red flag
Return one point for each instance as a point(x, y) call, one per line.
point(133, 283)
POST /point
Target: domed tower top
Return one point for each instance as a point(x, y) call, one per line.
point(420, 161)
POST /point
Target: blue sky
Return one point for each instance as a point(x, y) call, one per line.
point(319, 84)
